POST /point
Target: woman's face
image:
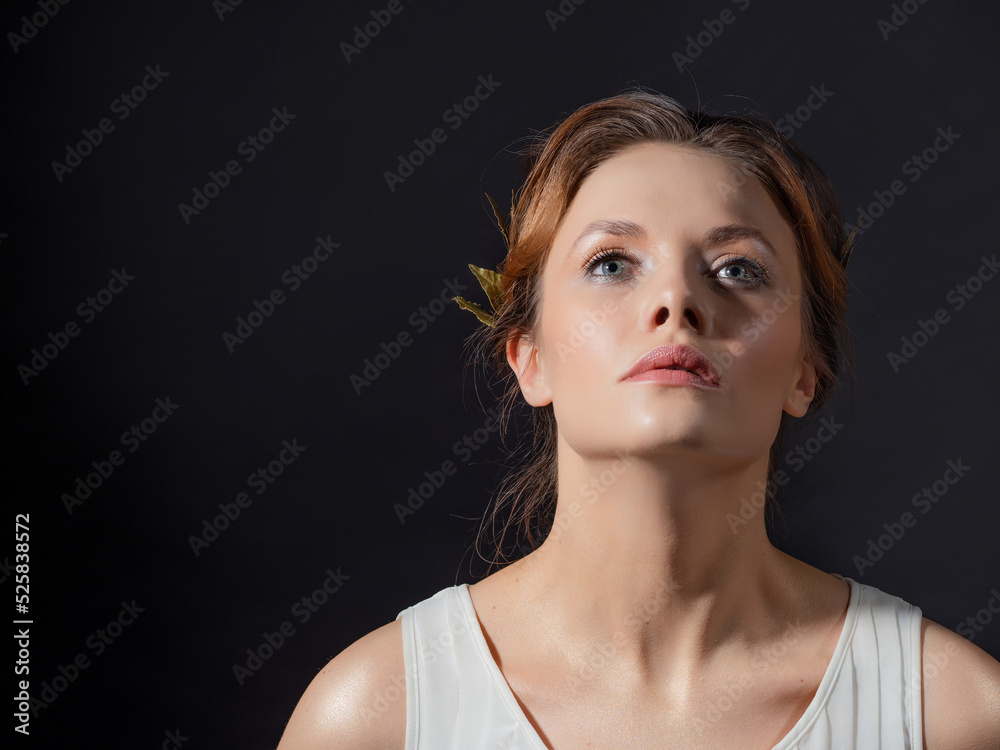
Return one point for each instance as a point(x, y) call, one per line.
point(665, 245)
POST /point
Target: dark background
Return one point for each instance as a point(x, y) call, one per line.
point(323, 175)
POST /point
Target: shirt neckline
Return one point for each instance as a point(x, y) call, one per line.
point(796, 733)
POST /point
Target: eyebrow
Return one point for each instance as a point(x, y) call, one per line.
point(730, 233)
point(726, 234)
point(616, 227)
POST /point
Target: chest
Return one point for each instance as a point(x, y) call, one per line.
point(749, 712)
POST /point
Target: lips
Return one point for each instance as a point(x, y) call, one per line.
point(671, 357)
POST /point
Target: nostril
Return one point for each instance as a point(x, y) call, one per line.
point(689, 315)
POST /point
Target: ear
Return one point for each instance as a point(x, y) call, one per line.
point(803, 390)
point(524, 359)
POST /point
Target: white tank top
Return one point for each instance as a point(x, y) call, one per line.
point(869, 697)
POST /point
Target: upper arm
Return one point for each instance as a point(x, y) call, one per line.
point(357, 701)
point(961, 692)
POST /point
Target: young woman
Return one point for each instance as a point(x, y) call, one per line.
point(674, 292)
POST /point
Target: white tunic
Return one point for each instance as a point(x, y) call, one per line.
point(869, 697)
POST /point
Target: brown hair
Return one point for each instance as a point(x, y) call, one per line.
point(556, 163)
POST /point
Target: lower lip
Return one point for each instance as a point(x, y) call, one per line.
point(670, 377)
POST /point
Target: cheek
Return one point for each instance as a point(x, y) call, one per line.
point(766, 350)
point(580, 340)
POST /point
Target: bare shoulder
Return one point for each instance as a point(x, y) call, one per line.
point(961, 692)
point(357, 701)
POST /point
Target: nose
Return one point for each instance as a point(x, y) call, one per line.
point(674, 300)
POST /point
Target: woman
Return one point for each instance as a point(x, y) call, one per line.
point(674, 291)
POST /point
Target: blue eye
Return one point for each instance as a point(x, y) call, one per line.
point(743, 271)
point(614, 265)
point(735, 267)
point(611, 264)
point(611, 267)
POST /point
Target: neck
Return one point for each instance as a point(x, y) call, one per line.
point(652, 554)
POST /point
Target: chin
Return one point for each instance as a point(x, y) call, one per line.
point(651, 439)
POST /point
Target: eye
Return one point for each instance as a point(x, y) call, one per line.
point(743, 271)
point(610, 263)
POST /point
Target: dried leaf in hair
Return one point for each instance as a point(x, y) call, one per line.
point(490, 282)
point(480, 313)
point(501, 222)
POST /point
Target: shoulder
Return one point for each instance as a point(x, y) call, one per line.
point(357, 701)
point(961, 692)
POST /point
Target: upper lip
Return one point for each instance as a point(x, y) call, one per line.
point(675, 357)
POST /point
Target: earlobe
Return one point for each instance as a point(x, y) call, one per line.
point(803, 391)
point(524, 359)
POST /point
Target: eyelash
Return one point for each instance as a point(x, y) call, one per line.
point(608, 253)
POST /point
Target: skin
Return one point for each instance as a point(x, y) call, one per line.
point(645, 607)
point(692, 453)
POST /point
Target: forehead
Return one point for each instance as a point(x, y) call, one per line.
point(675, 192)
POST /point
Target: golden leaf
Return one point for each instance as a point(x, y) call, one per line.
point(501, 222)
point(490, 282)
point(480, 313)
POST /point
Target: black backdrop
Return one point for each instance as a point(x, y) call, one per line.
point(136, 627)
